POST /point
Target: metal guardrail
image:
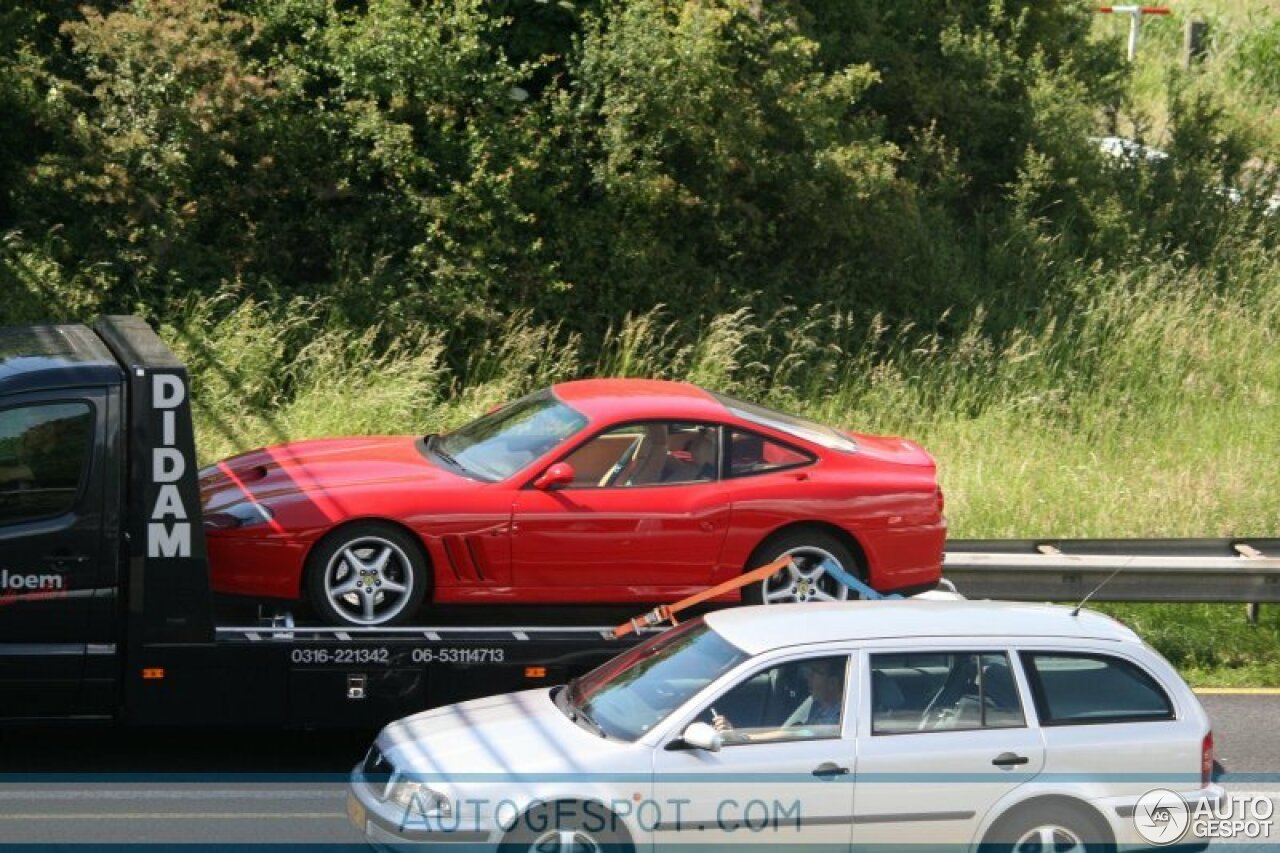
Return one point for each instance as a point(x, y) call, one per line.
point(1157, 570)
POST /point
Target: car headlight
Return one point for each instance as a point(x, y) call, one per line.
point(244, 514)
point(417, 799)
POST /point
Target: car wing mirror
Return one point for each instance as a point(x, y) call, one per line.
point(558, 475)
point(703, 736)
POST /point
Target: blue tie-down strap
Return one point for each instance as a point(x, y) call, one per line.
point(864, 590)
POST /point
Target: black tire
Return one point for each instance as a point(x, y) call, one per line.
point(1050, 827)
point(811, 548)
point(385, 567)
point(595, 829)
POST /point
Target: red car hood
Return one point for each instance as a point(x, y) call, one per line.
point(321, 464)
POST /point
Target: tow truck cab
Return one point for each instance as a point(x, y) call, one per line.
point(99, 513)
point(105, 606)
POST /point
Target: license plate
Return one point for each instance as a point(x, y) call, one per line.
point(356, 812)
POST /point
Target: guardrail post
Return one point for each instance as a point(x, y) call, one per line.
point(1251, 612)
point(1193, 45)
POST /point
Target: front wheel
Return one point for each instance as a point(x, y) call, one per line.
point(807, 578)
point(366, 574)
point(567, 828)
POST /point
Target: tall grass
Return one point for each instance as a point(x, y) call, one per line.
point(1149, 408)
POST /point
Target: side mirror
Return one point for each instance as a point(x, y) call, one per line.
point(703, 736)
point(559, 474)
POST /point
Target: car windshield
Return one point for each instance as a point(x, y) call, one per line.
point(794, 425)
point(632, 693)
point(502, 442)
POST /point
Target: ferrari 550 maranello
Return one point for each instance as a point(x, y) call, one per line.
point(597, 491)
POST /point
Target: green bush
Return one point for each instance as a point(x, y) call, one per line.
point(1256, 62)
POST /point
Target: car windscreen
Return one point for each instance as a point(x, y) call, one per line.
point(794, 425)
point(632, 693)
point(497, 445)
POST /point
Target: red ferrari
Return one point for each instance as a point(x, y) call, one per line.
point(598, 491)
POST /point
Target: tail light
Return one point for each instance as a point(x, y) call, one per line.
point(1206, 760)
point(942, 501)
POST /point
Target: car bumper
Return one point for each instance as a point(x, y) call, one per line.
point(1119, 812)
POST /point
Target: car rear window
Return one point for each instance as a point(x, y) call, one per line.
point(1083, 689)
point(802, 428)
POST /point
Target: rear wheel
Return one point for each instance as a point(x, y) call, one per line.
point(366, 574)
point(1047, 829)
point(807, 578)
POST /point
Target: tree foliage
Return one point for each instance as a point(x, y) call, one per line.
point(453, 163)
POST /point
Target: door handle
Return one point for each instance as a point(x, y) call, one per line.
point(829, 770)
point(1009, 759)
point(65, 559)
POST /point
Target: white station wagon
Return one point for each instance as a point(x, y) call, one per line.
point(962, 724)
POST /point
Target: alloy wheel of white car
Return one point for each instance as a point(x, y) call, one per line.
point(1049, 838)
point(564, 841)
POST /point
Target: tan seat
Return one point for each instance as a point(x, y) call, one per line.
point(650, 457)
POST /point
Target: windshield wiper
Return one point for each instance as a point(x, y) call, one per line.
point(577, 714)
point(586, 718)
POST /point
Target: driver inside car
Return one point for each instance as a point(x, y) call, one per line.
point(817, 715)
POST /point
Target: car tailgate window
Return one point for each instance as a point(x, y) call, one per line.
point(1080, 689)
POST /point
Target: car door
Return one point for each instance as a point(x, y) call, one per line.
point(51, 509)
point(782, 775)
point(943, 735)
point(644, 516)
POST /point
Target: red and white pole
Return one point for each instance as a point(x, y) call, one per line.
point(1135, 14)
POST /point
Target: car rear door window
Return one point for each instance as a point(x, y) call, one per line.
point(750, 453)
point(943, 691)
point(44, 452)
point(1082, 689)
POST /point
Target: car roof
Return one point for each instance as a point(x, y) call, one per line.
point(628, 399)
point(764, 628)
point(53, 357)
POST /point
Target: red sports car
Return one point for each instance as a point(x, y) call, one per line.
point(598, 491)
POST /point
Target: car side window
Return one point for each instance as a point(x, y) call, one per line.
point(1083, 689)
point(750, 453)
point(943, 691)
point(44, 452)
point(647, 454)
point(796, 700)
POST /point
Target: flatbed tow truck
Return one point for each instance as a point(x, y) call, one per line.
point(105, 607)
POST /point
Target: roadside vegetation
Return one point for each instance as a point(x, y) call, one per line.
point(891, 215)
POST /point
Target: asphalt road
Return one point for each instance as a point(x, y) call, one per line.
point(1246, 733)
point(101, 785)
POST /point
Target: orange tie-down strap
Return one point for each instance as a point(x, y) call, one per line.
point(667, 612)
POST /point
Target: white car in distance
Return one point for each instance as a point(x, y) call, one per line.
point(965, 724)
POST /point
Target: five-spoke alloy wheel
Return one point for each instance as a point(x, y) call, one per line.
point(366, 574)
point(807, 577)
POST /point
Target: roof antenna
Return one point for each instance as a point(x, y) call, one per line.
point(1095, 590)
